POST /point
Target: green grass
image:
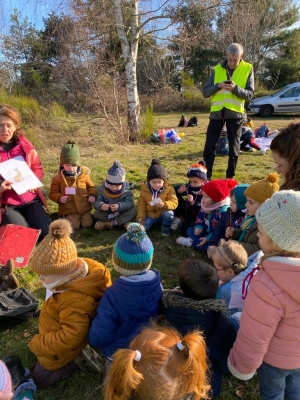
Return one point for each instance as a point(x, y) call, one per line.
point(99, 148)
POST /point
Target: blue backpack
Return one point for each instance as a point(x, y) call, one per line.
point(222, 144)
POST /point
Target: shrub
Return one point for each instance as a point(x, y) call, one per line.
point(148, 121)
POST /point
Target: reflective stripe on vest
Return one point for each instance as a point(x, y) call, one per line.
point(224, 98)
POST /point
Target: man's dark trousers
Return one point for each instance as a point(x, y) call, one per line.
point(234, 131)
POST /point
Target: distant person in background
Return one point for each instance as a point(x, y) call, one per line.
point(26, 209)
point(230, 84)
point(285, 149)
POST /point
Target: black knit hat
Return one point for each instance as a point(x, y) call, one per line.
point(156, 171)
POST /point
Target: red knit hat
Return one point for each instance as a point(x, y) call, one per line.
point(219, 189)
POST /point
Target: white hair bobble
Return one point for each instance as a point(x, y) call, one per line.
point(138, 355)
point(180, 345)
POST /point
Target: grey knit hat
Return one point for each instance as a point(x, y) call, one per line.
point(116, 174)
point(279, 217)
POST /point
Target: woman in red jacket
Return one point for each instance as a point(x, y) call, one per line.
point(26, 209)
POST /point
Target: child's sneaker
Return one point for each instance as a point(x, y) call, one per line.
point(90, 359)
point(175, 223)
point(183, 241)
point(262, 151)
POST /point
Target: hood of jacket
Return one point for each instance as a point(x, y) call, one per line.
point(93, 284)
point(240, 198)
point(175, 298)
point(285, 272)
point(139, 298)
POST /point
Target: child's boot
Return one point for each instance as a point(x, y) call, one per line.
point(6, 270)
point(103, 226)
point(10, 283)
point(16, 370)
point(91, 360)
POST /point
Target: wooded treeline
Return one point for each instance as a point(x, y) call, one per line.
point(107, 56)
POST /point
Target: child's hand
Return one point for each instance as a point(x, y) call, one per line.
point(190, 199)
point(202, 242)
point(91, 199)
point(160, 204)
point(114, 207)
point(197, 231)
point(181, 189)
point(141, 221)
point(63, 199)
point(229, 232)
point(105, 207)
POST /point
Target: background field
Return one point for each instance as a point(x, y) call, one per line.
point(99, 148)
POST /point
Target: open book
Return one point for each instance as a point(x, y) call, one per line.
point(17, 171)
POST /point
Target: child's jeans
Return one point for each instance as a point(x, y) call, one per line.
point(278, 383)
point(196, 239)
point(165, 218)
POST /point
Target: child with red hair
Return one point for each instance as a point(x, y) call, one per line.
point(160, 365)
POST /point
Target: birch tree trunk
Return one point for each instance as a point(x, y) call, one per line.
point(129, 45)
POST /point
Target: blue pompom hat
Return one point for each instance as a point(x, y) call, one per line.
point(116, 173)
point(133, 252)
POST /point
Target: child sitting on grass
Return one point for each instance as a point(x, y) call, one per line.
point(194, 306)
point(157, 200)
point(233, 216)
point(230, 259)
point(160, 364)
point(114, 205)
point(188, 207)
point(214, 203)
point(72, 188)
point(77, 285)
point(133, 299)
point(256, 195)
point(268, 338)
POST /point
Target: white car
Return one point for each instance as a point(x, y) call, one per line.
point(284, 100)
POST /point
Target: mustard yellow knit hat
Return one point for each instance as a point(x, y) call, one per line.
point(263, 189)
point(57, 253)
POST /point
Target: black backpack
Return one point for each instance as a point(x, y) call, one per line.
point(193, 121)
point(16, 306)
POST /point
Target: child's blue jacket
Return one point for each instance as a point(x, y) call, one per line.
point(123, 311)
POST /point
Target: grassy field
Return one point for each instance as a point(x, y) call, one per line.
point(99, 148)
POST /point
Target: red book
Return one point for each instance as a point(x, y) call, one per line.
point(17, 242)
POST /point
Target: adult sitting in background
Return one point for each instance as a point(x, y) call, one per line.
point(230, 84)
point(26, 209)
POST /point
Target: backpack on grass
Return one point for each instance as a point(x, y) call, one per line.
point(222, 146)
point(193, 121)
point(16, 306)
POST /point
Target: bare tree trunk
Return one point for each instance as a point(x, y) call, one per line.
point(129, 52)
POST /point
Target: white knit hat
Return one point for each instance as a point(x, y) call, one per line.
point(279, 217)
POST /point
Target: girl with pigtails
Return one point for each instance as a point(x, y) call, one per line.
point(159, 365)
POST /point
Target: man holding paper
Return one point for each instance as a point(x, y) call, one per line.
point(28, 208)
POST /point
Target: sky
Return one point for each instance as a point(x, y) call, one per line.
point(34, 10)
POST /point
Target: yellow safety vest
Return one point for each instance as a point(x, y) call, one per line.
point(224, 98)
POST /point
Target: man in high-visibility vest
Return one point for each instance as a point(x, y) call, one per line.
point(229, 85)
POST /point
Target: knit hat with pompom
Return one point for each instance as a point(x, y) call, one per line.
point(5, 379)
point(156, 171)
point(57, 253)
point(218, 189)
point(116, 174)
point(133, 251)
point(262, 190)
point(70, 153)
point(198, 170)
